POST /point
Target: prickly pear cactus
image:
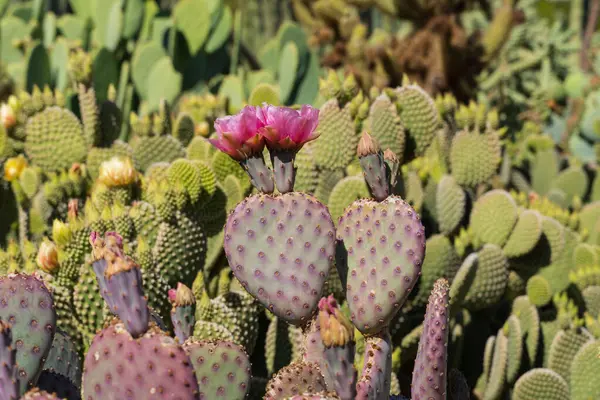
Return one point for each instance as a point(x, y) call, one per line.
point(27, 305)
point(380, 251)
point(281, 249)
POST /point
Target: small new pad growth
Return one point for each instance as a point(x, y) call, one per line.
point(429, 375)
point(182, 313)
point(373, 166)
point(375, 380)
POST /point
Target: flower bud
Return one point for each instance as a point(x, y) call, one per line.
point(8, 116)
point(47, 257)
point(13, 167)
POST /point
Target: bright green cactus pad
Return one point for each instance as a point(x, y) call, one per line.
point(563, 349)
point(541, 383)
point(419, 116)
point(539, 291)
point(585, 255)
point(345, 192)
point(185, 173)
point(490, 279)
point(530, 324)
point(497, 377)
point(380, 255)
point(474, 157)
point(493, 217)
point(543, 171)
point(450, 204)
point(204, 330)
point(180, 250)
point(148, 150)
point(27, 305)
point(385, 126)
point(525, 235)
point(326, 182)
point(281, 248)
point(336, 146)
point(589, 219)
point(222, 368)
point(307, 175)
point(440, 261)
point(585, 371)
point(514, 334)
point(55, 139)
point(573, 181)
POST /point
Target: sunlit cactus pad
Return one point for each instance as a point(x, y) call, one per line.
point(380, 253)
point(117, 366)
point(281, 248)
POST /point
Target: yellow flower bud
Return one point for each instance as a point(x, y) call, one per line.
point(117, 172)
point(13, 167)
point(47, 257)
point(7, 116)
point(61, 233)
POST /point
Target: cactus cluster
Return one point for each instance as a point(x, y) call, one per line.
point(193, 206)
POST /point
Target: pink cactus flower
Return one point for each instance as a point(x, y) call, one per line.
point(289, 129)
point(239, 135)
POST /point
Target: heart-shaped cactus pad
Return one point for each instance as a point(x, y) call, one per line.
point(281, 248)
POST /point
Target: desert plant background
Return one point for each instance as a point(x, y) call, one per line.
point(303, 199)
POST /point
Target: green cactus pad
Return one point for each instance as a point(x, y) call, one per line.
point(450, 204)
point(497, 377)
point(539, 291)
point(295, 379)
point(563, 349)
point(180, 250)
point(530, 325)
point(336, 146)
point(543, 171)
point(345, 192)
point(419, 116)
point(490, 278)
point(27, 305)
point(474, 157)
point(385, 126)
point(585, 370)
point(380, 254)
point(462, 282)
point(585, 255)
point(204, 330)
point(525, 235)
point(266, 234)
point(118, 366)
point(222, 368)
point(573, 181)
point(326, 182)
point(239, 313)
point(307, 175)
point(98, 155)
point(440, 261)
point(541, 383)
point(152, 149)
point(55, 139)
point(493, 217)
point(514, 334)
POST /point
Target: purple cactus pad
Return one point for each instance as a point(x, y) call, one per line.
point(281, 248)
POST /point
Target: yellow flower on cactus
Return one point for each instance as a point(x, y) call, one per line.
point(47, 258)
point(117, 172)
point(7, 116)
point(13, 168)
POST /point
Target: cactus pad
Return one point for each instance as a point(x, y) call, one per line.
point(585, 370)
point(295, 379)
point(450, 204)
point(55, 139)
point(563, 349)
point(336, 147)
point(117, 366)
point(429, 375)
point(380, 253)
point(222, 369)
point(493, 217)
point(541, 383)
point(474, 157)
point(525, 234)
point(27, 305)
point(281, 248)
